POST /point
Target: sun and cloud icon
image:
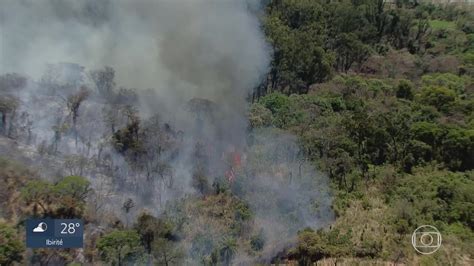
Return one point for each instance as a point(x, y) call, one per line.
point(40, 228)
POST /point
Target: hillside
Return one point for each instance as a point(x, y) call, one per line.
point(283, 132)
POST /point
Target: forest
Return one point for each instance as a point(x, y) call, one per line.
point(293, 132)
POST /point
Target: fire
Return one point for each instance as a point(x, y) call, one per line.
point(230, 175)
point(236, 159)
point(233, 159)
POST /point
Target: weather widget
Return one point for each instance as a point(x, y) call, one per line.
point(54, 233)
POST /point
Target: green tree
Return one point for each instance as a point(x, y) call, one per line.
point(120, 247)
point(157, 237)
point(150, 228)
point(458, 148)
point(429, 133)
point(405, 90)
point(349, 50)
point(259, 116)
point(76, 187)
point(447, 80)
point(39, 194)
point(63, 199)
point(315, 245)
point(436, 196)
point(299, 58)
point(167, 252)
point(11, 247)
point(228, 248)
point(440, 97)
point(72, 192)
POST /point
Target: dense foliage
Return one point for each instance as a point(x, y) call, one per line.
point(392, 123)
point(11, 247)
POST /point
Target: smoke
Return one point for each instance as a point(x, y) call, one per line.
point(204, 44)
point(284, 190)
point(193, 63)
point(182, 49)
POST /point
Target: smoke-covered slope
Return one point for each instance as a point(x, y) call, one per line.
point(182, 137)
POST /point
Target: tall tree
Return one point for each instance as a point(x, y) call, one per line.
point(120, 247)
